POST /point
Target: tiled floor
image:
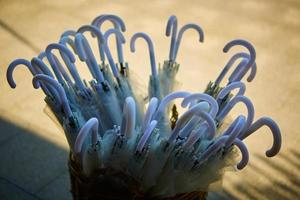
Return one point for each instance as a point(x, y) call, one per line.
point(32, 147)
point(31, 166)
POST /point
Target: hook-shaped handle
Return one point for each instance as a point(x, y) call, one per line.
point(91, 126)
point(112, 63)
point(214, 107)
point(150, 48)
point(53, 83)
point(51, 58)
point(68, 41)
point(266, 121)
point(228, 107)
point(200, 110)
point(40, 67)
point(235, 85)
point(119, 49)
point(32, 68)
point(249, 47)
point(100, 38)
point(118, 24)
point(149, 113)
point(69, 60)
point(172, 27)
point(11, 68)
point(192, 100)
point(239, 71)
point(63, 72)
point(85, 53)
point(218, 144)
point(180, 34)
point(114, 19)
point(234, 130)
point(68, 33)
point(245, 154)
point(165, 101)
point(146, 135)
point(129, 115)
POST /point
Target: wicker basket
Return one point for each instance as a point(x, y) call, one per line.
point(108, 184)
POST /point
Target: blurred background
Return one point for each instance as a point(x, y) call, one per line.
point(34, 150)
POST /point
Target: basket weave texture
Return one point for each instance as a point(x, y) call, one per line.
point(108, 184)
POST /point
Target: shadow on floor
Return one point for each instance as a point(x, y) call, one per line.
point(30, 166)
point(283, 178)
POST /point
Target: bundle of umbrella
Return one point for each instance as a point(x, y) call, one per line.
point(109, 126)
